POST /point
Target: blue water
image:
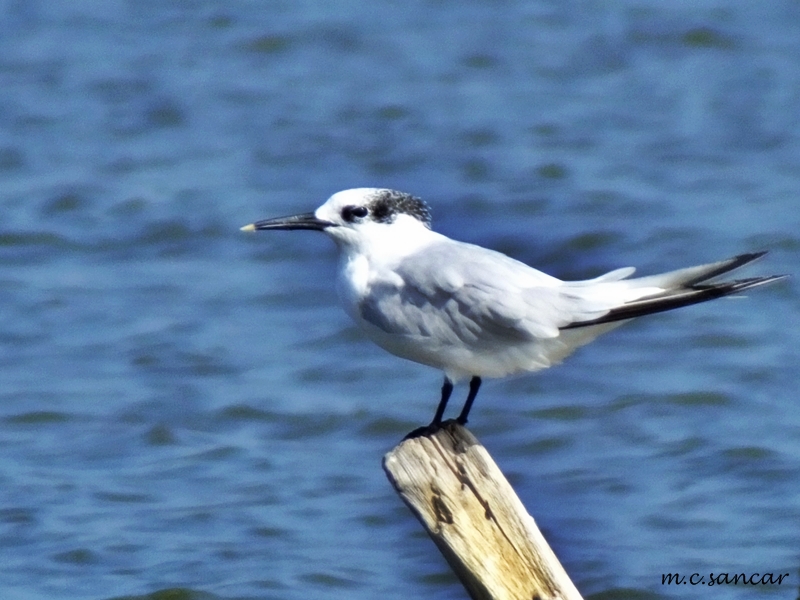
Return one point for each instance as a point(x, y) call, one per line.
point(184, 407)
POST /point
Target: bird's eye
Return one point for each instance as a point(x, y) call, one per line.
point(351, 213)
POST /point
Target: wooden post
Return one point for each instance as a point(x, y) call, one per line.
point(449, 481)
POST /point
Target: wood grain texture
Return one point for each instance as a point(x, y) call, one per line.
point(471, 512)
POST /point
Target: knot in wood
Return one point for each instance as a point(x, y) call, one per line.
point(443, 514)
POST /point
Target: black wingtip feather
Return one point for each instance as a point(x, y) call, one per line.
point(728, 265)
point(684, 296)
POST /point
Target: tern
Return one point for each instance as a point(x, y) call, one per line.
point(472, 312)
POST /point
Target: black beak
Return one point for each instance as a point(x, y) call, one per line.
point(304, 221)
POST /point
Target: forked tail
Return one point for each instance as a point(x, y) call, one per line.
point(682, 288)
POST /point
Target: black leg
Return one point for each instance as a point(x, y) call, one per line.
point(447, 389)
point(474, 385)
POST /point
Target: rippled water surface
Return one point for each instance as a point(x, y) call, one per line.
point(186, 412)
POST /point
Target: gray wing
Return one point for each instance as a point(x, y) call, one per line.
point(675, 289)
point(458, 292)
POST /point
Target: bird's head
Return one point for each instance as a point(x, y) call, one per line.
point(358, 217)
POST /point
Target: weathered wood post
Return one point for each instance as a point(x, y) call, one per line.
point(449, 481)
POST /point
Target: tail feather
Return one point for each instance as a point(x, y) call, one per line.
point(683, 288)
point(694, 275)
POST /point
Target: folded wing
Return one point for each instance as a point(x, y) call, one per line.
point(460, 293)
point(675, 289)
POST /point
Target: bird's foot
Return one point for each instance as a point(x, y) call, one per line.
point(424, 431)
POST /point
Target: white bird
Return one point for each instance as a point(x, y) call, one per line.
point(474, 312)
